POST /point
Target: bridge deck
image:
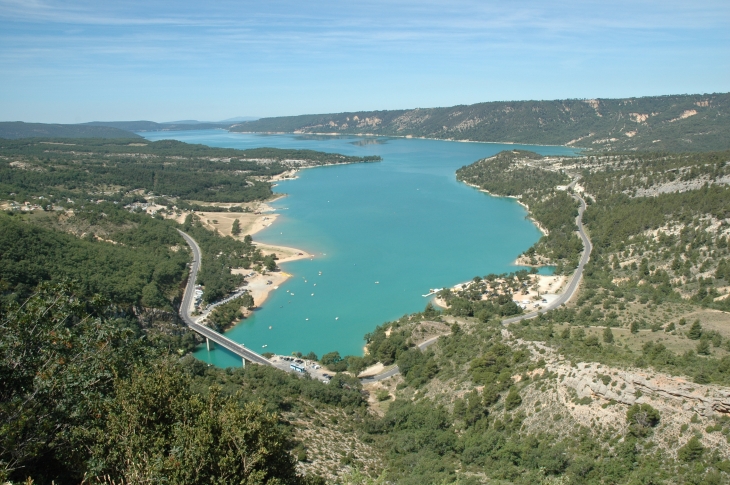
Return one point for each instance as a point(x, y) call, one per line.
point(208, 333)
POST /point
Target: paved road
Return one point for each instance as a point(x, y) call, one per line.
point(577, 275)
point(209, 333)
point(563, 298)
point(395, 370)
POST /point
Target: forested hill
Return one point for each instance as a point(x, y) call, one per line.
point(69, 167)
point(17, 129)
point(678, 123)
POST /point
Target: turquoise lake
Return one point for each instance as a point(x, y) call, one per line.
point(405, 223)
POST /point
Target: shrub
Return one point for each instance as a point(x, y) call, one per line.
point(641, 418)
point(691, 451)
point(695, 331)
point(512, 400)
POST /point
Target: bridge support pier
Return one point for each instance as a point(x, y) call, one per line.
point(244, 362)
point(207, 343)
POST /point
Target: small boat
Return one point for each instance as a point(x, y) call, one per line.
point(377, 282)
point(306, 319)
point(264, 346)
point(312, 294)
point(337, 318)
point(269, 327)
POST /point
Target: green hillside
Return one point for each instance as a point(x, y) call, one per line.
point(678, 123)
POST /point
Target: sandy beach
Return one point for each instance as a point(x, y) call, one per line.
point(259, 216)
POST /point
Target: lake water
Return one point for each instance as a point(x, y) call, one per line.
point(405, 223)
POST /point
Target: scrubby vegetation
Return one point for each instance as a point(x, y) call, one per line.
point(110, 169)
point(95, 388)
point(683, 123)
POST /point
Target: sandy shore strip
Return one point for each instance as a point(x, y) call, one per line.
point(261, 285)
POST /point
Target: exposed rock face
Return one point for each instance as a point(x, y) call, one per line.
point(590, 379)
point(629, 387)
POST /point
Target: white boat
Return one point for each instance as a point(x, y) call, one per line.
point(264, 346)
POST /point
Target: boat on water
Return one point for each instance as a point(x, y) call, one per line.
point(264, 346)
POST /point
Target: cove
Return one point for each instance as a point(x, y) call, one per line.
point(382, 234)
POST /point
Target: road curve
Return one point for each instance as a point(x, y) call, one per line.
point(562, 299)
point(577, 275)
point(395, 370)
point(209, 333)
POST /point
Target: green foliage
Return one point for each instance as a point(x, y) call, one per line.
point(580, 122)
point(220, 254)
point(158, 430)
point(691, 451)
point(502, 175)
point(695, 331)
point(641, 418)
point(139, 270)
point(236, 228)
point(607, 335)
point(58, 360)
point(225, 314)
point(507, 174)
point(513, 400)
point(166, 167)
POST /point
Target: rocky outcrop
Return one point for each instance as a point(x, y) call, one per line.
point(630, 387)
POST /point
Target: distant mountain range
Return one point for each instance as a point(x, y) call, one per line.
point(152, 126)
point(678, 123)
point(18, 129)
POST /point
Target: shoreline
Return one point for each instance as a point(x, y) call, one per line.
point(519, 261)
point(259, 284)
point(548, 286)
point(408, 137)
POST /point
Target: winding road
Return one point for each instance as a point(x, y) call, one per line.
point(577, 275)
point(251, 356)
point(564, 297)
point(210, 334)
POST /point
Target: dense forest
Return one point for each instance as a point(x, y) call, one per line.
point(680, 123)
point(111, 169)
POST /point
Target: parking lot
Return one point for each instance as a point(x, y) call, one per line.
point(294, 364)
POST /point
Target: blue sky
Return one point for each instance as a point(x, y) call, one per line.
point(76, 60)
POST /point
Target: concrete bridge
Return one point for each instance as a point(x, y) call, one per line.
point(245, 354)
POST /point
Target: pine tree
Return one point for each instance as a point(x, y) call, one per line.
point(695, 331)
point(608, 335)
point(236, 229)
